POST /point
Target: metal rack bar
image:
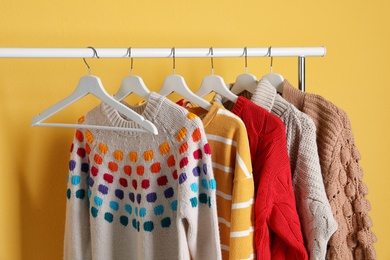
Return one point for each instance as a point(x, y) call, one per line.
point(300, 52)
point(159, 52)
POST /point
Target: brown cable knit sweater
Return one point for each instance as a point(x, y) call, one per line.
point(342, 174)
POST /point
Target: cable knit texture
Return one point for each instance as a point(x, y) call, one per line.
point(318, 223)
point(342, 175)
point(228, 139)
point(278, 232)
point(134, 195)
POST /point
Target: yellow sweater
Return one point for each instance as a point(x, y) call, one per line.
point(228, 140)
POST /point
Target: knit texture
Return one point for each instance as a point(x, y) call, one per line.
point(228, 139)
point(315, 213)
point(277, 227)
point(342, 175)
point(134, 195)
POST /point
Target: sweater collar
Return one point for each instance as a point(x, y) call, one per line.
point(264, 95)
point(206, 116)
point(149, 110)
point(267, 97)
point(240, 105)
point(236, 108)
point(293, 95)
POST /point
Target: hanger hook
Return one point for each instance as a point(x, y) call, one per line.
point(95, 54)
point(212, 60)
point(246, 59)
point(174, 59)
point(131, 60)
point(272, 58)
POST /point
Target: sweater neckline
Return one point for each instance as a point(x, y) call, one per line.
point(208, 116)
point(149, 110)
point(293, 95)
point(267, 97)
point(264, 95)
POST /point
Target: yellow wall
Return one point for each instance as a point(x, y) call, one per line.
point(33, 161)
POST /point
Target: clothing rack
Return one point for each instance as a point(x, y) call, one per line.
point(300, 52)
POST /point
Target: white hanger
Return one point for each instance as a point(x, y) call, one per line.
point(176, 83)
point(132, 84)
point(245, 81)
point(215, 83)
point(275, 79)
point(92, 85)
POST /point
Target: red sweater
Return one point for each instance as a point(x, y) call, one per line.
point(278, 232)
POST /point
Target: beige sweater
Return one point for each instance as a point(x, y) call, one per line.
point(342, 176)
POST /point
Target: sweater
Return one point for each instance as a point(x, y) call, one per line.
point(315, 213)
point(277, 227)
point(342, 175)
point(228, 139)
point(135, 195)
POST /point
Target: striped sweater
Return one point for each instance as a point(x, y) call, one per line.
point(228, 139)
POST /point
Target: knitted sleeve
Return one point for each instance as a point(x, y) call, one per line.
point(242, 207)
point(198, 219)
point(318, 223)
point(278, 230)
point(347, 194)
point(77, 244)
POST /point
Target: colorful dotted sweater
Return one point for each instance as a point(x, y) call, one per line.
point(134, 195)
point(278, 232)
point(228, 139)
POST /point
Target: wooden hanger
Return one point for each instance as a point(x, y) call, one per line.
point(214, 83)
point(176, 83)
point(92, 85)
point(132, 84)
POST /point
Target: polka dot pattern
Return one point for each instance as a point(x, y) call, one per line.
point(140, 170)
point(133, 156)
point(98, 159)
point(181, 134)
point(116, 194)
point(183, 148)
point(127, 170)
point(118, 155)
point(148, 155)
point(155, 167)
point(81, 152)
point(103, 148)
point(79, 136)
point(196, 136)
point(88, 149)
point(89, 136)
point(171, 161)
point(191, 116)
point(164, 148)
point(113, 166)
